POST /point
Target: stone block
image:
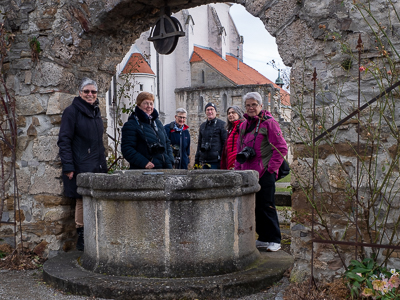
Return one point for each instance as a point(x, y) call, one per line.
point(58, 102)
point(32, 132)
point(45, 24)
point(6, 231)
point(40, 248)
point(5, 217)
point(22, 63)
point(19, 215)
point(26, 54)
point(55, 119)
point(46, 180)
point(24, 180)
point(9, 203)
point(45, 148)
point(48, 74)
point(21, 121)
point(58, 213)
point(35, 121)
point(29, 105)
point(52, 200)
point(42, 228)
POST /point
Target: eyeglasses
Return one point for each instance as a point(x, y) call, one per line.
point(254, 105)
point(89, 91)
point(180, 117)
point(148, 103)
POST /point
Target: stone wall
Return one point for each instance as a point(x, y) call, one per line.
point(89, 38)
point(201, 70)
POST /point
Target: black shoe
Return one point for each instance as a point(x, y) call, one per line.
point(80, 243)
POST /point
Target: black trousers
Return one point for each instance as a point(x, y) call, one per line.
point(267, 224)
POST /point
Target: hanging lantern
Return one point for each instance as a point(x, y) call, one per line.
point(166, 32)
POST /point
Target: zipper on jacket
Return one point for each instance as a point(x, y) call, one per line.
point(233, 140)
point(180, 149)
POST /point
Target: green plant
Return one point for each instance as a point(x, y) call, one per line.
point(34, 45)
point(367, 279)
point(123, 106)
point(347, 64)
point(2, 254)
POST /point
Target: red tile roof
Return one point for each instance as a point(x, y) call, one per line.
point(137, 64)
point(228, 68)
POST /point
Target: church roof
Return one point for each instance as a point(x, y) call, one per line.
point(228, 68)
point(137, 64)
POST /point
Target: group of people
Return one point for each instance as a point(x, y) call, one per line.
point(246, 141)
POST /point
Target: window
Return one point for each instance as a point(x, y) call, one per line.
point(141, 87)
point(201, 104)
point(202, 76)
point(224, 102)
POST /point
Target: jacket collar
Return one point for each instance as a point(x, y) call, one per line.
point(185, 127)
point(90, 110)
point(263, 115)
point(210, 122)
point(143, 117)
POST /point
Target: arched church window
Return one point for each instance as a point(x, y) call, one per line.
point(201, 104)
point(224, 102)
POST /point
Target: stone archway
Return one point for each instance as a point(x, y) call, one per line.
point(89, 38)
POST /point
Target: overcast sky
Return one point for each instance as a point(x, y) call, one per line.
point(259, 46)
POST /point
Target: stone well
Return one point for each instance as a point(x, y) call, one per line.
point(168, 234)
point(169, 223)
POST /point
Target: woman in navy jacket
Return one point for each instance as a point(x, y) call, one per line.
point(178, 133)
point(81, 145)
point(144, 143)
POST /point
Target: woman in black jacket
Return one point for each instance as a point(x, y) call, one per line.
point(144, 143)
point(81, 145)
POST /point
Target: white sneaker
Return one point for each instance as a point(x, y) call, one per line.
point(263, 245)
point(273, 247)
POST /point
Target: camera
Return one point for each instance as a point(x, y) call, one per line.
point(175, 150)
point(177, 155)
point(156, 148)
point(205, 147)
point(246, 154)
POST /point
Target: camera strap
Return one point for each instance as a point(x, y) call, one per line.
point(255, 135)
point(155, 128)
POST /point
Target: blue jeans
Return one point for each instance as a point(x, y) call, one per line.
point(212, 165)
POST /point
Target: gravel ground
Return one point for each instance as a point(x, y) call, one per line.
point(28, 285)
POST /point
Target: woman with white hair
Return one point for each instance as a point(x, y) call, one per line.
point(261, 147)
point(81, 145)
point(178, 133)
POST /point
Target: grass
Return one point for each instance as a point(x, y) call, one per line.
point(284, 189)
point(286, 179)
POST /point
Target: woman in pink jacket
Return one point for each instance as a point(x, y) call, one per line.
point(261, 147)
point(234, 116)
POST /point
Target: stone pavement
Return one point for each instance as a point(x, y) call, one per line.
point(28, 285)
